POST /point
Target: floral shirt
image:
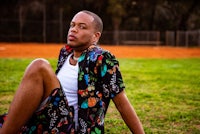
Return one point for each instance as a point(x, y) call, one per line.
point(99, 80)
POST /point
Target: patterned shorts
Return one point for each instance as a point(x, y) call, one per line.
point(55, 116)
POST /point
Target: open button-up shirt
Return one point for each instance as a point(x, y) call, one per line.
point(99, 80)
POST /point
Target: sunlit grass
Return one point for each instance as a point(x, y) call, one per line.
point(164, 92)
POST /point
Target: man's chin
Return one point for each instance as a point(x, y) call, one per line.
point(75, 46)
point(71, 44)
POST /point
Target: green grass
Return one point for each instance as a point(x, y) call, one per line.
point(164, 92)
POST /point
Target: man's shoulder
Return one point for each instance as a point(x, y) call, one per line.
point(100, 51)
point(65, 50)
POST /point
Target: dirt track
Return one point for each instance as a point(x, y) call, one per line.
point(33, 50)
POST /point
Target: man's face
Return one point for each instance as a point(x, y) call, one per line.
point(81, 33)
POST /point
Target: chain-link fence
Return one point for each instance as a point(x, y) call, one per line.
point(183, 38)
point(56, 31)
point(132, 37)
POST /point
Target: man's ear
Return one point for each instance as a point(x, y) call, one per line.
point(96, 37)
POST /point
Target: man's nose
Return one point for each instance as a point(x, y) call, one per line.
point(74, 29)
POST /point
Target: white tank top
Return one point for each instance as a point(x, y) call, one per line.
point(68, 77)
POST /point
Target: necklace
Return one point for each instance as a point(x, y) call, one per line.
point(75, 58)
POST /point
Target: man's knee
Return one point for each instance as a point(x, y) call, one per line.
point(40, 62)
point(44, 71)
point(39, 65)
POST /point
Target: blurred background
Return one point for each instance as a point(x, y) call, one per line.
point(140, 22)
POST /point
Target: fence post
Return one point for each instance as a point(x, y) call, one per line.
point(61, 24)
point(166, 38)
point(158, 38)
point(186, 38)
point(20, 23)
point(177, 38)
point(44, 21)
point(198, 38)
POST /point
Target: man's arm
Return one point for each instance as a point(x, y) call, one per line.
point(128, 113)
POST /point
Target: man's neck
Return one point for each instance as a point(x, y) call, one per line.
point(78, 52)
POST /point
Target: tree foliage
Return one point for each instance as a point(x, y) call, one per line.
point(130, 14)
point(117, 15)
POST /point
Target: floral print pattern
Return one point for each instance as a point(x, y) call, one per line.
point(99, 80)
point(53, 117)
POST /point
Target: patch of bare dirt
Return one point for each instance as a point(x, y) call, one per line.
point(34, 50)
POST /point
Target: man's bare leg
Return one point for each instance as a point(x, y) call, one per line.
point(37, 83)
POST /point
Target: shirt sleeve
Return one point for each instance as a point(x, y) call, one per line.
point(112, 81)
point(64, 52)
point(61, 53)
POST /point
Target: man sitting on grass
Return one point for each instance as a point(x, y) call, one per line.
point(76, 98)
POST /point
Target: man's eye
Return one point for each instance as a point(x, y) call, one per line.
point(82, 27)
point(71, 25)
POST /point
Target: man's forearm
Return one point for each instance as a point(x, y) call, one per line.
point(128, 113)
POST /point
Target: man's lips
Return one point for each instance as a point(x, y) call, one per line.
point(71, 37)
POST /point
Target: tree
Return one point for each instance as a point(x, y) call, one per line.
point(175, 15)
point(116, 10)
point(187, 14)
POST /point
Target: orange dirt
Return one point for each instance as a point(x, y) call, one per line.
point(34, 50)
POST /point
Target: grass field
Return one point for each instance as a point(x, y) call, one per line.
point(164, 92)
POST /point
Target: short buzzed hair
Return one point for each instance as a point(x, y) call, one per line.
point(97, 20)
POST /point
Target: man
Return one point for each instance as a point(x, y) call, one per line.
point(89, 76)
